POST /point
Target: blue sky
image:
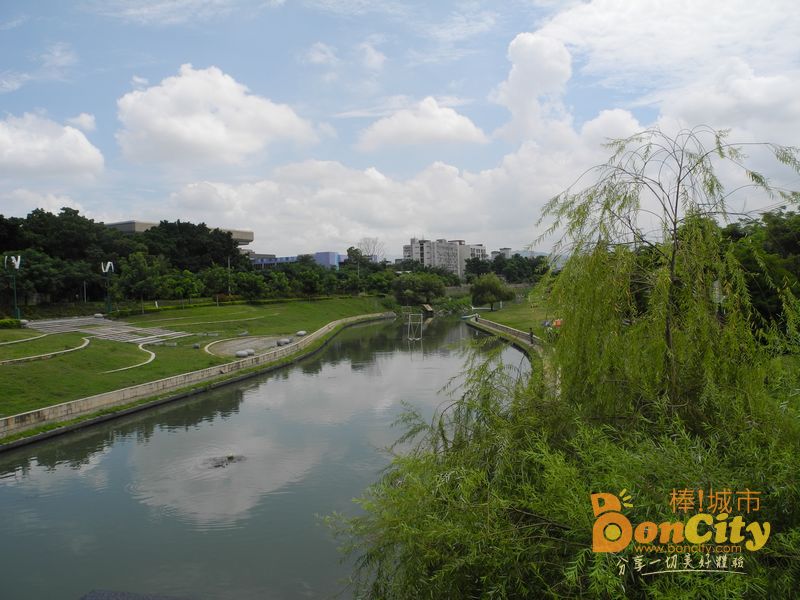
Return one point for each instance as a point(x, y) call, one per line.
point(318, 122)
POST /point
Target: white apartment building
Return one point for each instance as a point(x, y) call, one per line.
point(451, 255)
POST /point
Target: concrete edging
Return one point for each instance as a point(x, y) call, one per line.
point(91, 404)
point(518, 338)
point(47, 355)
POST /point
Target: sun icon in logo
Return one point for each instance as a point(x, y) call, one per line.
point(612, 532)
point(625, 498)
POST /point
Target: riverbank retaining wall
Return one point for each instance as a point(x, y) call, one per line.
point(91, 404)
point(524, 337)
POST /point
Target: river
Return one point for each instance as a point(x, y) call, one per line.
point(219, 496)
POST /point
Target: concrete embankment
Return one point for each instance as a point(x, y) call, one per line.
point(82, 407)
point(525, 341)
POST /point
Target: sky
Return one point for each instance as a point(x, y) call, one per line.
point(315, 123)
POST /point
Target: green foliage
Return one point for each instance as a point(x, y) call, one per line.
point(488, 289)
point(517, 269)
point(140, 276)
point(10, 324)
point(418, 288)
point(251, 286)
point(191, 247)
point(664, 377)
point(453, 305)
point(769, 250)
point(216, 280)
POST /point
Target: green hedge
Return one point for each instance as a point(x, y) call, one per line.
point(10, 324)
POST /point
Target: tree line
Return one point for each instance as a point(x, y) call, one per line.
point(62, 256)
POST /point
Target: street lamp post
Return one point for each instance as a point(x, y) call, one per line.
point(16, 263)
point(107, 268)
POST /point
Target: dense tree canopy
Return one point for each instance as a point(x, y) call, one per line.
point(517, 269)
point(489, 289)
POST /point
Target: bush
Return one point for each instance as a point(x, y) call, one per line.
point(10, 324)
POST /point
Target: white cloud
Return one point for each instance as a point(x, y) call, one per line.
point(450, 37)
point(425, 123)
point(325, 205)
point(391, 104)
point(83, 121)
point(139, 82)
point(321, 54)
point(12, 23)
point(609, 124)
point(53, 65)
point(541, 66)
point(22, 201)
point(173, 12)
point(58, 56)
point(35, 145)
point(10, 81)
point(756, 107)
point(371, 57)
point(651, 43)
point(357, 8)
point(203, 115)
point(461, 26)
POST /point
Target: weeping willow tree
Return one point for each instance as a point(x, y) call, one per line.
point(662, 377)
point(648, 271)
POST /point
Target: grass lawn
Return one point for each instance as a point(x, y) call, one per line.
point(27, 386)
point(49, 343)
point(520, 316)
point(10, 335)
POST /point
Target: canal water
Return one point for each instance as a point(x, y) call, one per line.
point(220, 496)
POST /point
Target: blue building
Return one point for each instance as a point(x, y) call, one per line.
point(329, 260)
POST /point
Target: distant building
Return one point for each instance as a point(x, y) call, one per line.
point(450, 255)
point(240, 236)
point(330, 260)
point(504, 251)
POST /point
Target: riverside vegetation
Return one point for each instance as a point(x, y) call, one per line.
point(668, 378)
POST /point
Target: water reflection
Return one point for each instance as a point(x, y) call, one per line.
point(216, 496)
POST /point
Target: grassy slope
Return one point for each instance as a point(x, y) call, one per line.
point(9, 335)
point(520, 316)
point(50, 343)
point(28, 386)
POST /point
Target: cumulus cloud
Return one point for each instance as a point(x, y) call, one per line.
point(83, 121)
point(541, 66)
point(325, 205)
point(650, 42)
point(609, 124)
point(22, 201)
point(203, 115)
point(34, 144)
point(756, 107)
point(427, 122)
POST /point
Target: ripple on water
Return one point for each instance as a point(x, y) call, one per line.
point(194, 490)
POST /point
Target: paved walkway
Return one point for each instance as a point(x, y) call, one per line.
point(118, 331)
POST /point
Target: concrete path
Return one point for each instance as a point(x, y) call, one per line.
point(118, 331)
